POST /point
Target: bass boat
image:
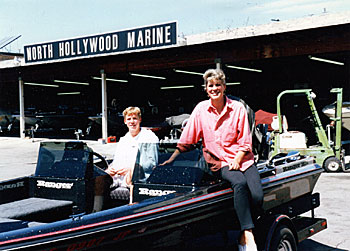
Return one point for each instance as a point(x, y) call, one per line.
point(168, 207)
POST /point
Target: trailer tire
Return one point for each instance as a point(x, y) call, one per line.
point(283, 240)
point(332, 165)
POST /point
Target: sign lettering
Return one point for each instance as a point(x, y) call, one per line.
point(108, 43)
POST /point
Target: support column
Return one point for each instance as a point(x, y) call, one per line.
point(218, 63)
point(21, 109)
point(104, 106)
point(346, 91)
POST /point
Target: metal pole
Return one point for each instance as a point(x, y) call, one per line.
point(21, 108)
point(104, 106)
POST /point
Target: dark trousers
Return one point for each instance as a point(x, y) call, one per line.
point(248, 193)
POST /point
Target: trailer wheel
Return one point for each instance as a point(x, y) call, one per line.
point(283, 240)
point(332, 164)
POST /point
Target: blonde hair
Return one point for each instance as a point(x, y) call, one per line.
point(132, 110)
point(216, 74)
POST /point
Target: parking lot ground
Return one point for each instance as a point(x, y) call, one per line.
point(334, 189)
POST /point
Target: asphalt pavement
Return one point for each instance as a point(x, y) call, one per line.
point(18, 158)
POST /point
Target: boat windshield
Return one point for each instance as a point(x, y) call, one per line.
point(72, 159)
point(62, 160)
point(188, 168)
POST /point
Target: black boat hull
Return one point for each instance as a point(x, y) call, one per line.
point(186, 208)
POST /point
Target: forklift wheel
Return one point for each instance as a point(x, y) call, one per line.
point(332, 164)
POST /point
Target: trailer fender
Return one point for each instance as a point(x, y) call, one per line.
point(271, 224)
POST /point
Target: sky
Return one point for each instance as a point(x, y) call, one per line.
point(40, 21)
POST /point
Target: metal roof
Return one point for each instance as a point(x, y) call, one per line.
point(298, 24)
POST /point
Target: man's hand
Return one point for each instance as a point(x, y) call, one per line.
point(110, 171)
point(120, 171)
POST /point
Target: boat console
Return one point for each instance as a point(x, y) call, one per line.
point(188, 172)
point(63, 185)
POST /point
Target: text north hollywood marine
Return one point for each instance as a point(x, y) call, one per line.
point(113, 42)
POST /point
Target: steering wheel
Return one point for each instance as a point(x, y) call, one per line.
point(103, 164)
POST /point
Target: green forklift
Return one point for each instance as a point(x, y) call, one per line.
point(328, 153)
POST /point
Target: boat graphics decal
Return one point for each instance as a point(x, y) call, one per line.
point(56, 185)
point(91, 243)
point(154, 192)
point(11, 186)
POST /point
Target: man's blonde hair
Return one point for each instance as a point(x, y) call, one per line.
point(211, 74)
point(132, 110)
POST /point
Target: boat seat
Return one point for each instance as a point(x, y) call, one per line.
point(35, 208)
point(120, 193)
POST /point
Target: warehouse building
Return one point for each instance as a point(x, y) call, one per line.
point(160, 71)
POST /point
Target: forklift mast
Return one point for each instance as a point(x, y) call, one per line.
point(338, 120)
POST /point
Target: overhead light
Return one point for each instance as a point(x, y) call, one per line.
point(47, 85)
point(326, 60)
point(146, 76)
point(68, 93)
point(70, 82)
point(242, 68)
point(176, 87)
point(189, 72)
point(112, 79)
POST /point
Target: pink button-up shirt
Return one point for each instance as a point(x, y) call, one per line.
point(224, 135)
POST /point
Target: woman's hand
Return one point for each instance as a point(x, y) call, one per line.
point(234, 165)
point(172, 158)
point(166, 162)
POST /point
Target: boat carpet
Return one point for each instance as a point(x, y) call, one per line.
point(36, 209)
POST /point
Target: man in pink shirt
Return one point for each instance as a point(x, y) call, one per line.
point(223, 126)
